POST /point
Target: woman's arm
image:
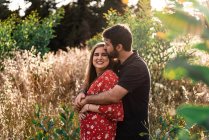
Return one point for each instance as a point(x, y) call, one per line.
point(91, 108)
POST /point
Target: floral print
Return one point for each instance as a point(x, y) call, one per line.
point(102, 126)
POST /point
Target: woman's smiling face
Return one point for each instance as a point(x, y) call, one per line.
point(100, 59)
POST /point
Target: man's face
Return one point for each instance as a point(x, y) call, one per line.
point(110, 49)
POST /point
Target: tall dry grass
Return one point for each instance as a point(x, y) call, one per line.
point(53, 80)
point(28, 79)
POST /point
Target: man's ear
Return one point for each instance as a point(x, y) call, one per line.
point(119, 47)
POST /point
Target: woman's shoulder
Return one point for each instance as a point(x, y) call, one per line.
point(109, 72)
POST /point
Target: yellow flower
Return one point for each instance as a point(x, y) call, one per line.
point(125, 1)
point(161, 35)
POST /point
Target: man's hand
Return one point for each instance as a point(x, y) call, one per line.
point(77, 102)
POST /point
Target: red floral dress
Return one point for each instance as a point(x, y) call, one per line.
point(102, 126)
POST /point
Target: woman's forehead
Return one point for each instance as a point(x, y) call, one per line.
point(100, 49)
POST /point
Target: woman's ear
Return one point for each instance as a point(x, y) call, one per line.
point(119, 47)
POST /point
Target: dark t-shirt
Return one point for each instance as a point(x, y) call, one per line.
point(134, 76)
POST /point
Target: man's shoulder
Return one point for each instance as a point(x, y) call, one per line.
point(137, 63)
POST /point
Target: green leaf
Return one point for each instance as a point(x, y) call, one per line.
point(183, 134)
point(175, 69)
point(198, 73)
point(143, 134)
point(179, 23)
point(194, 114)
point(202, 46)
point(179, 68)
point(61, 132)
point(35, 122)
point(37, 110)
point(39, 135)
point(55, 135)
point(71, 116)
point(75, 133)
point(63, 118)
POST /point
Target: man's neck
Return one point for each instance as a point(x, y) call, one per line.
point(124, 55)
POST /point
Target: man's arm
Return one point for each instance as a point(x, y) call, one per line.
point(107, 97)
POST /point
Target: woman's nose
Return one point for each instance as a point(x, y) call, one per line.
point(100, 57)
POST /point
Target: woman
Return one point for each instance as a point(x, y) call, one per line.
point(98, 122)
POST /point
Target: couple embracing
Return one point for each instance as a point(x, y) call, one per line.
point(113, 104)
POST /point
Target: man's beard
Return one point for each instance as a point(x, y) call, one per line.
point(114, 54)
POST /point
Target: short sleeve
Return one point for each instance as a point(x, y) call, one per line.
point(108, 80)
point(133, 77)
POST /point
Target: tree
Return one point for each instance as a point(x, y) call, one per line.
point(82, 21)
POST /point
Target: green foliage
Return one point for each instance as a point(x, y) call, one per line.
point(194, 115)
point(202, 46)
point(94, 40)
point(179, 23)
point(139, 27)
point(33, 31)
point(173, 128)
point(188, 24)
point(46, 129)
point(179, 68)
point(16, 33)
point(7, 43)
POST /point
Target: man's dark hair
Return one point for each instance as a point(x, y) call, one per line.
point(119, 34)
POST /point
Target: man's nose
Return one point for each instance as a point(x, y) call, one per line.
point(105, 47)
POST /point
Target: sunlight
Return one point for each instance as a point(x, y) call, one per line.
point(132, 2)
point(158, 4)
point(24, 5)
point(155, 4)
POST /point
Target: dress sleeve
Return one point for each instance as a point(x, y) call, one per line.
point(113, 112)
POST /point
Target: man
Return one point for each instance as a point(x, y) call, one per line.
point(133, 86)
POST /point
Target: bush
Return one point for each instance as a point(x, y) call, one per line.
point(66, 127)
point(7, 43)
point(16, 33)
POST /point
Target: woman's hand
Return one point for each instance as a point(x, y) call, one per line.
point(83, 112)
point(78, 99)
point(85, 108)
point(81, 116)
